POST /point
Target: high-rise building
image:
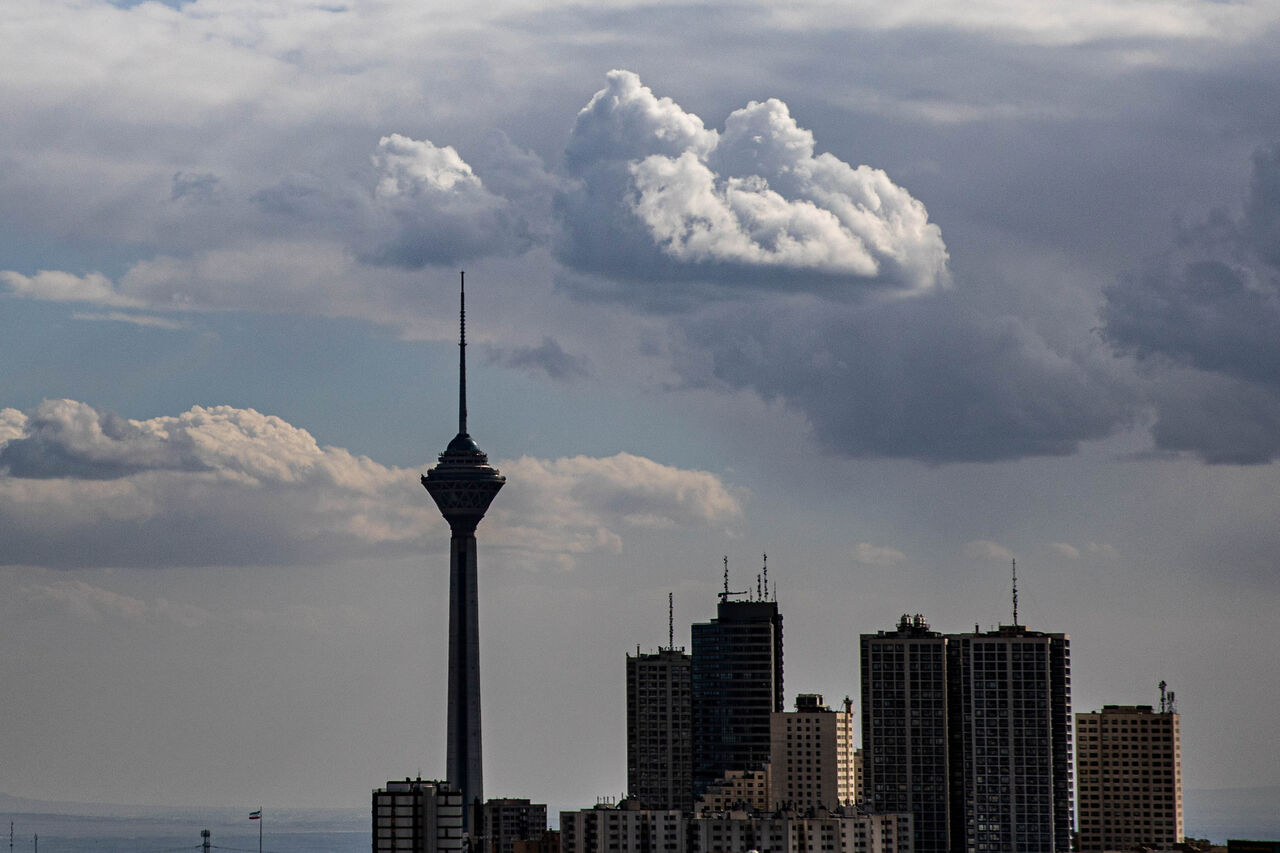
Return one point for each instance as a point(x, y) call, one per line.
point(905, 747)
point(1129, 775)
point(1012, 716)
point(417, 816)
point(971, 733)
point(463, 484)
point(737, 685)
point(811, 763)
point(660, 729)
point(506, 821)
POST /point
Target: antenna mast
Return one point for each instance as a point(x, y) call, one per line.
point(765, 559)
point(1015, 593)
point(462, 353)
point(1163, 696)
point(671, 622)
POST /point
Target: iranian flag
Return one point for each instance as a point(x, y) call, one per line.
point(255, 815)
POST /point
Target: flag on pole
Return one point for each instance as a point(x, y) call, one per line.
point(255, 815)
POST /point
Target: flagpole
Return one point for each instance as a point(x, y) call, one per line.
point(259, 830)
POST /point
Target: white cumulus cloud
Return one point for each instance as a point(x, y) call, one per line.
point(716, 205)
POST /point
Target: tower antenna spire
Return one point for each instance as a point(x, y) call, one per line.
point(1015, 592)
point(671, 622)
point(726, 576)
point(462, 352)
point(765, 559)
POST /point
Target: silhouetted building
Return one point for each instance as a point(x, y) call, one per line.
point(463, 484)
point(737, 685)
point(660, 729)
point(971, 733)
point(905, 746)
point(417, 816)
point(1012, 714)
point(811, 761)
point(506, 821)
point(1129, 775)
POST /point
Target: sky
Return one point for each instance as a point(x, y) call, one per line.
point(892, 293)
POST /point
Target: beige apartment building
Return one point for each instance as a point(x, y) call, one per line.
point(1129, 773)
point(811, 760)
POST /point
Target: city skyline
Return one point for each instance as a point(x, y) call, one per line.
point(894, 296)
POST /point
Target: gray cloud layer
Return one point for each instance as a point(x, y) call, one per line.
point(1211, 306)
point(925, 379)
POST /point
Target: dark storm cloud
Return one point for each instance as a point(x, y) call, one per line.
point(548, 358)
point(924, 379)
point(1212, 303)
point(658, 200)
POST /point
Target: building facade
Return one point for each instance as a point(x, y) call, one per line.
point(737, 790)
point(811, 755)
point(660, 729)
point(906, 750)
point(417, 816)
point(845, 830)
point(627, 827)
point(506, 821)
point(736, 687)
point(1129, 775)
point(971, 734)
point(1011, 715)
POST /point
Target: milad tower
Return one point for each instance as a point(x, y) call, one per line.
point(463, 484)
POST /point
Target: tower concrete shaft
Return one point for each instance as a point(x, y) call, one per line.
point(463, 484)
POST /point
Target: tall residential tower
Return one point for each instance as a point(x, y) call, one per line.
point(463, 484)
point(737, 685)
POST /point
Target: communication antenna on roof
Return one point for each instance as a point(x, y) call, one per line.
point(765, 570)
point(1163, 696)
point(671, 622)
point(1173, 705)
point(759, 594)
point(1015, 593)
point(724, 596)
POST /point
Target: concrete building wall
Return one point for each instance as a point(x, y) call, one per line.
point(1129, 776)
point(417, 816)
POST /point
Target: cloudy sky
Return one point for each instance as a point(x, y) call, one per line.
point(892, 292)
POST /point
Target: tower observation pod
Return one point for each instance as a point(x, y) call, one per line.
point(463, 484)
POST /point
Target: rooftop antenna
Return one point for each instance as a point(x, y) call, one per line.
point(671, 622)
point(1163, 696)
point(759, 595)
point(724, 596)
point(765, 559)
point(1015, 593)
point(462, 353)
